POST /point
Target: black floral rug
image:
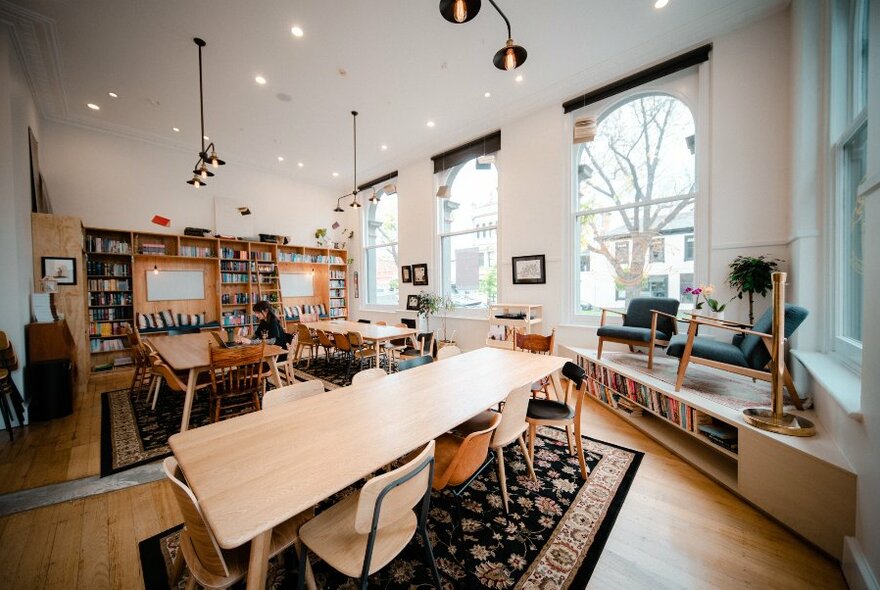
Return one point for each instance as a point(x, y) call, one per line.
point(552, 537)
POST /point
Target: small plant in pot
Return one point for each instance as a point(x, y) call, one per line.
point(429, 304)
point(446, 305)
point(752, 274)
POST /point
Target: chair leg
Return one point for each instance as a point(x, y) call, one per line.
point(651, 356)
point(686, 355)
point(429, 555)
point(599, 348)
point(7, 414)
point(177, 568)
point(568, 439)
point(579, 442)
point(302, 552)
point(156, 392)
point(533, 431)
point(525, 452)
point(502, 479)
point(191, 583)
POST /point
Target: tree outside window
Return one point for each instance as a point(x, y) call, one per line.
point(380, 251)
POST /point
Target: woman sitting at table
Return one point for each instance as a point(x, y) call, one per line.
point(268, 328)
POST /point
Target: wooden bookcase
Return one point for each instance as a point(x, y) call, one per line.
point(502, 329)
point(109, 292)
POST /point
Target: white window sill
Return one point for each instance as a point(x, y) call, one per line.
point(380, 309)
point(844, 386)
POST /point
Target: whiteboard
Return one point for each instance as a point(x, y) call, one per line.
point(174, 285)
point(298, 284)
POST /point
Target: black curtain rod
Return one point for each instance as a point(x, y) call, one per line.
point(375, 181)
point(488, 144)
point(495, 136)
point(670, 66)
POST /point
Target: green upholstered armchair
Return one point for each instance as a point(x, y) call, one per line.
point(648, 321)
point(747, 354)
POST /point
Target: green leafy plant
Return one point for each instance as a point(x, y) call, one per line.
point(750, 275)
point(321, 235)
point(430, 304)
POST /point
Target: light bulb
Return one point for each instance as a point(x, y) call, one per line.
point(156, 268)
point(203, 171)
point(509, 59)
point(459, 11)
point(214, 162)
point(196, 183)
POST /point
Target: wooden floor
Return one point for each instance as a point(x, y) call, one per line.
point(677, 528)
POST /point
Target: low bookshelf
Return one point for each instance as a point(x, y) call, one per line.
point(807, 484)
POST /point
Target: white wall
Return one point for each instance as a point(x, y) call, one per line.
point(747, 195)
point(17, 112)
point(114, 182)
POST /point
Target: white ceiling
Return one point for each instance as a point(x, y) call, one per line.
point(405, 65)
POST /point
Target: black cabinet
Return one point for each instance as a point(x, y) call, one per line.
point(49, 386)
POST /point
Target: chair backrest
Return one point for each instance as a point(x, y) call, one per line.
point(363, 321)
point(535, 343)
point(757, 355)
point(303, 334)
point(413, 482)
point(400, 341)
point(237, 369)
point(416, 362)
point(356, 339)
point(576, 377)
point(8, 359)
point(468, 458)
point(324, 338)
point(513, 416)
point(408, 323)
point(292, 393)
point(425, 341)
point(180, 330)
point(368, 375)
point(448, 351)
point(638, 313)
point(342, 342)
point(203, 541)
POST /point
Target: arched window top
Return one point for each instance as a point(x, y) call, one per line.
point(643, 151)
point(473, 200)
point(382, 219)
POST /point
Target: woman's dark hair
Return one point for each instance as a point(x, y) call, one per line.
point(264, 307)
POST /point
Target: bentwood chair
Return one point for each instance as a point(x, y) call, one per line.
point(208, 564)
point(8, 390)
point(415, 362)
point(291, 393)
point(447, 351)
point(236, 376)
point(422, 345)
point(362, 533)
point(537, 344)
point(368, 375)
point(511, 429)
point(361, 352)
point(305, 340)
point(646, 322)
point(560, 413)
point(326, 342)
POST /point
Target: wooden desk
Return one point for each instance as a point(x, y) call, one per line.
point(190, 353)
point(255, 471)
point(369, 332)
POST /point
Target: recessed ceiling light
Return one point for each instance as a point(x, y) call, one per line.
point(300, 164)
point(260, 80)
point(487, 94)
point(280, 158)
point(384, 147)
point(430, 123)
point(519, 78)
point(660, 3)
point(112, 95)
point(175, 129)
point(336, 174)
point(296, 31)
point(93, 106)
point(206, 138)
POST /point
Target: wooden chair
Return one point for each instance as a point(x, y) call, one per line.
point(415, 362)
point(236, 373)
point(305, 340)
point(208, 564)
point(560, 413)
point(422, 345)
point(394, 346)
point(448, 351)
point(537, 344)
point(362, 533)
point(10, 397)
point(748, 354)
point(511, 429)
point(326, 342)
point(292, 393)
point(361, 352)
point(362, 377)
point(162, 372)
point(645, 323)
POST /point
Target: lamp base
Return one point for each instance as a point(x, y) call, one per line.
point(785, 424)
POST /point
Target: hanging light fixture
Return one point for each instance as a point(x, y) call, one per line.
point(459, 11)
point(355, 203)
point(338, 208)
point(511, 56)
point(200, 170)
point(374, 198)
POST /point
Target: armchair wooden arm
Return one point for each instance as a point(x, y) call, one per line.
point(719, 320)
point(732, 328)
point(607, 309)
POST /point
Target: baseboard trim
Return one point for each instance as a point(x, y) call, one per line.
point(856, 568)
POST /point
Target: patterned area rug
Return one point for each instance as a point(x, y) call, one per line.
point(552, 537)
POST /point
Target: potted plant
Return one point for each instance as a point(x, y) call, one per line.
point(321, 235)
point(716, 308)
point(752, 274)
point(429, 304)
point(446, 305)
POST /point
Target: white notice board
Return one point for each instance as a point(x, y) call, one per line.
point(174, 285)
point(297, 284)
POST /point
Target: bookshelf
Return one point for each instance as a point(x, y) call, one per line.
point(109, 293)
point(338, 285)
point(506, 319)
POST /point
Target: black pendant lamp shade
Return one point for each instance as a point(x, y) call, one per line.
point(200, 170)
point(510, 57)
point(459, 11)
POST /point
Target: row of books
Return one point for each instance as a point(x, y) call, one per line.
point(153, 249)
point(336, 312)
point(108, 329)
point(232, 254)
point(106, 345)
point(100, 245)
point(263, 267)
point(263, 256)
point(229, 277)
point(122, 313)
point(234, 298)
point(109, 298)
point(335, 284)
point(270, 297)
point(309, 258)
point(116, 269)
point(109, 285)
point(334, 303)
point(196, 251)
point(235, 318)
point(233, 265)
point(337, 274)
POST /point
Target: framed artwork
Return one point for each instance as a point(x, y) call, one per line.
point(406, 274)
point(412, 302)
point(529, 270)
point(61, 270)
point(420, 274)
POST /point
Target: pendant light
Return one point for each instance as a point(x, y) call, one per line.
point(459, 11)
point(511, 56)
point(355, 203)
point(200, 170)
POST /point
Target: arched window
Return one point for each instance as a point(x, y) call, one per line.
point(634, 209)
point(380, 251)
point(468, 229)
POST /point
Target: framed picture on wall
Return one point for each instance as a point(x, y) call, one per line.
point(412, 302)
point(406, 274)
point(61, 270)
point(529, 270)
point(420, 274)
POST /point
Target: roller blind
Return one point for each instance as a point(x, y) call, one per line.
point(488, 144)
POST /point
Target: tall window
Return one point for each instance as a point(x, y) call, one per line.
point(468, 228)
point(380, 251)
point(634, 209)
point(849, 137)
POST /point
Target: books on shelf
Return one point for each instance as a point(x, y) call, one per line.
point(196, 252)
point(101, 268)
point(109, 285)
point(107, 345)
point(154, 249)
point(101, 245)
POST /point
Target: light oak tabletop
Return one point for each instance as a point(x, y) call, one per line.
point(191, 351)
point(255, 471)
point(370, 332)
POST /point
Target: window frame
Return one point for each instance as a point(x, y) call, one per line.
point(365, 248)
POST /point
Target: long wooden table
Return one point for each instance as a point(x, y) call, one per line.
point(190, 353)
point(255, 471)
point(370, 332)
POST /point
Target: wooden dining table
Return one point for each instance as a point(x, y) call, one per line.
point(371, 333)
point(190, 353)
point(255, 471)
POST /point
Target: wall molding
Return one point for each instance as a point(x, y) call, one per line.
point(751, 244)
point(856, 568)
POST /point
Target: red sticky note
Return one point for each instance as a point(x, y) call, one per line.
point(163, 221)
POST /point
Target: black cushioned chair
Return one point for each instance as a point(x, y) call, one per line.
point(648, 321)
point(748, 354)
point(416, 362)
